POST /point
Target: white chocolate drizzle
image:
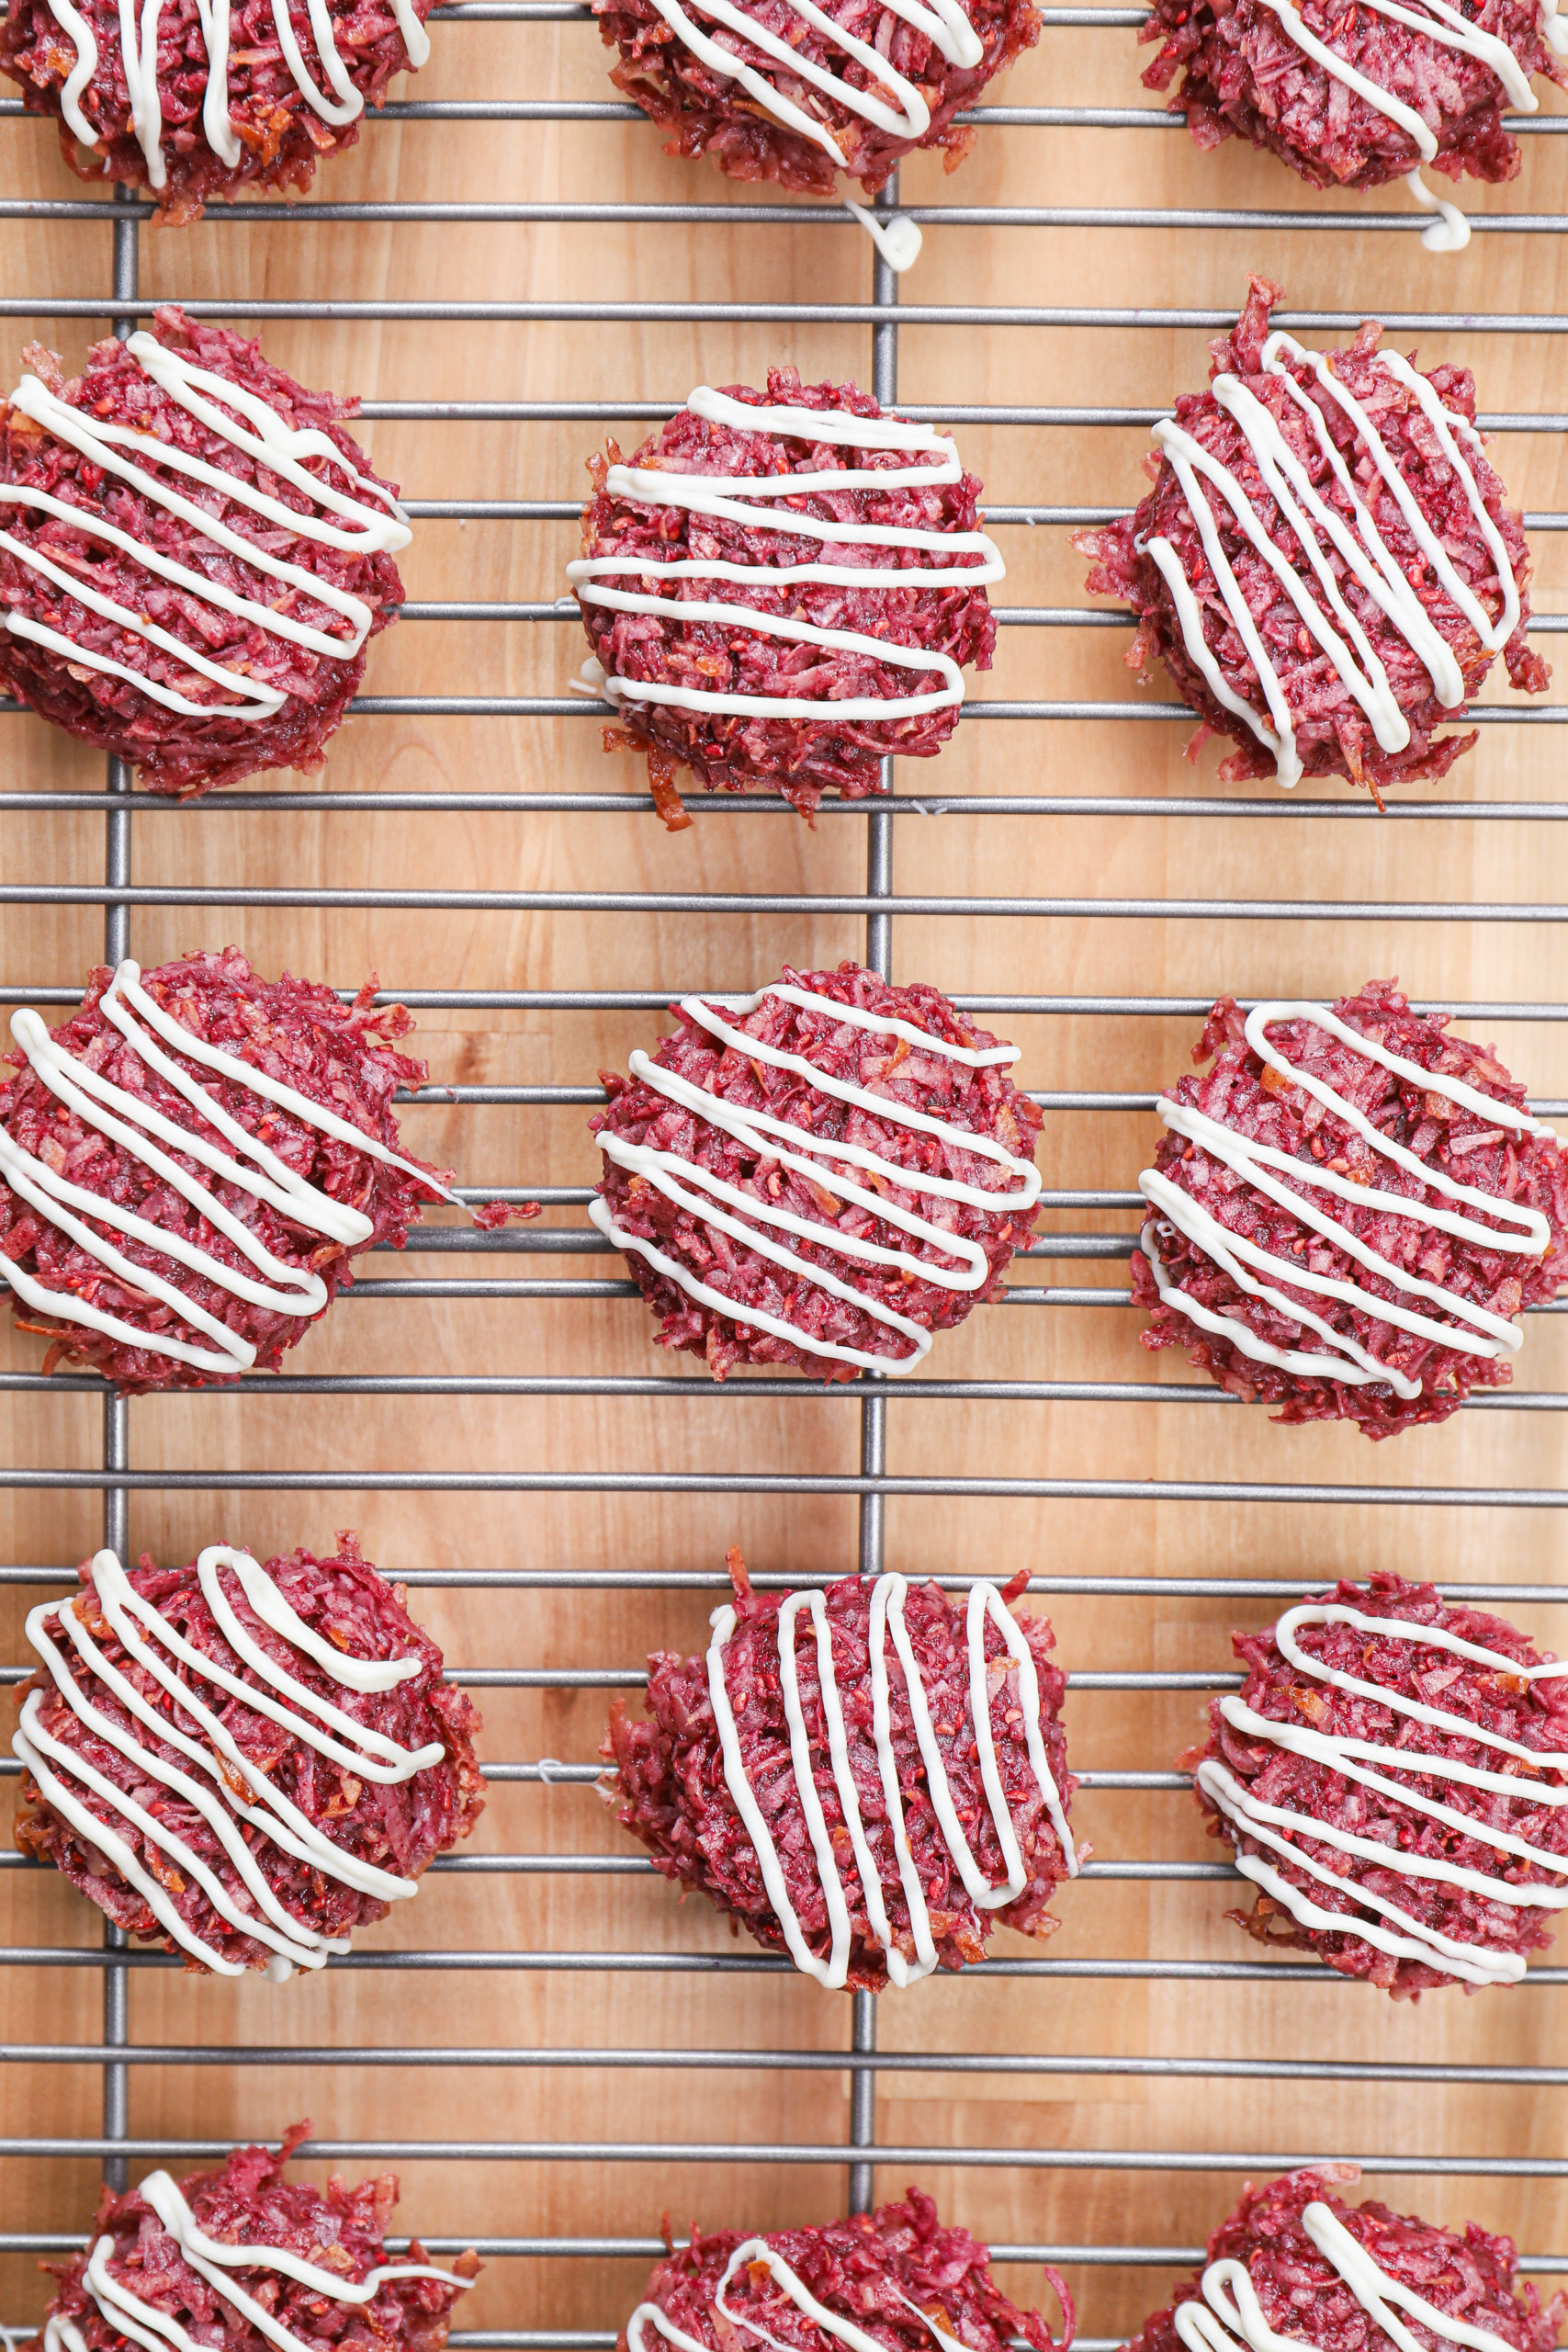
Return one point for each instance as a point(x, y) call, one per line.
point(1230, 2316)
point(757, 2251)
point(885, 1617)
point(370, 523)
point(750, 501)
point(212, 2260)
point(133, 1124)
point(225, 1786)
point(1464, 1325)
point(138, 59)
point(897, 236)
point(1321, 533)
point(823, 1163)
point(1281, 1830)
point(1450, 28)
point(943, 22)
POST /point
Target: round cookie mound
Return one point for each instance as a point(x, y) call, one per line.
point(1316, 654)
point(367, 1793)
point(767, 1219)
point(343, 1194)
point(1297, 2239)
point(708, 112)
point(1244, 75)
point(201, 637)
point(697, 693)
point(1234, 1253)
point(274, 134)
point(672, 1780)
point(159, 2235)
point(879, 2273)
point(1408, 1873)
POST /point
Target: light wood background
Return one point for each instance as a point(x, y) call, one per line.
point(1446, 861)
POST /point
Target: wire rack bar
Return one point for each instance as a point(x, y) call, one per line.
point(1170, 713)
point(795, 2151)
point(535, 1287)
point(633, 1677)
point(635, 1866)
point(985, 118)
point(855, 2062)
point(662, 1000)
point(755, 902)
point(1007, 617)
point(482, 12)
point(872, 1521)
point(695, 1963)
point(575, 1241)
point(566, 510)
point(576, 706)
point(989, 117)
point(608, 412)
point(676, 1388)
point(567, 11)
point(116, 2096)
point(612, 802)
point(885, 312)
point(758, 1482)
point(607, 2249)
point(784, 215)
point(1276, 1589)
point(993, 116)
point(551, 1773)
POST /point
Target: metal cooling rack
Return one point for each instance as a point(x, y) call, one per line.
point(115, 2146)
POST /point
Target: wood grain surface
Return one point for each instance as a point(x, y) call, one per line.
point(1452, 860)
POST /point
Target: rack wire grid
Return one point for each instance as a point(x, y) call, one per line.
point(1094, 2106)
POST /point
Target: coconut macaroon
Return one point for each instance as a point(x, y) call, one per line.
point(208, 113)
point(194, 555)
point(242, 1761)
point(1393, 1779)
point(189, 1163)
point(819, 1175)
point(1358, 97)
point(854, 96)
point(1349, 1212)
point(207, 2259)
point(782, 589)
point(896, 2276)
point(870, 1778)
point(1326, 565)
point(1296, 2260)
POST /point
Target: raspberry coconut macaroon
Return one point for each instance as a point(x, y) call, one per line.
point(890, 2282)
point(871, 1790)
point(194, 555)
point(1358, 97)
point(1325, 565)
point(242, 1763)
point(821, 1174)
point(855, 94)
point(201, 101)
point(1295, 2262)
point(243, 2258)
point(189, 1162)
point(791, 646)
point(1349, 1212)
point(1393, 1779)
